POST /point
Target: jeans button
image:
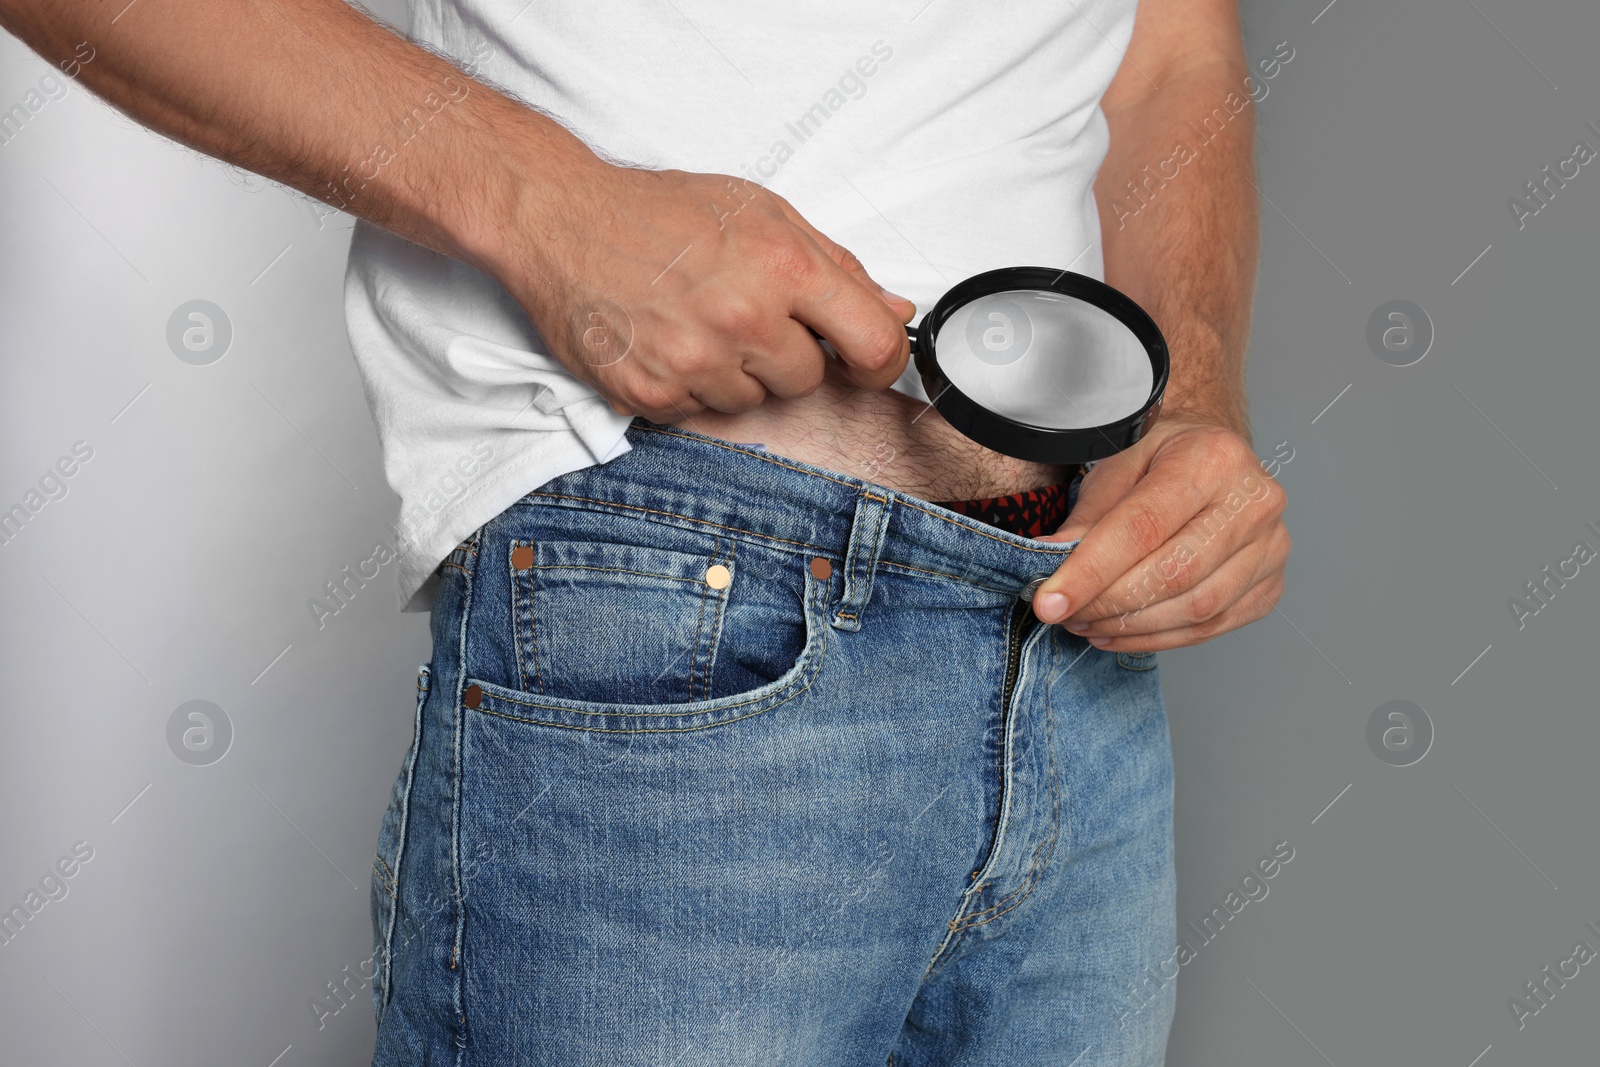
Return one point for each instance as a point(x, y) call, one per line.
point(1032, 587)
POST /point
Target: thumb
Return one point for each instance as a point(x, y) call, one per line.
point(902, 307)
point(1100, 491)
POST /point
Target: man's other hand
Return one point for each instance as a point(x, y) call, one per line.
point(1183, 540)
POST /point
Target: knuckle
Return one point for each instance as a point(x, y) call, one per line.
point(1144, 527)
point(1206, 629)
point(688, 364)
point(696, 363)
point(1106, 606)
point(622, 390)
point(1175, 571)
point(1259, 602)
point(776, 200)
point(1282, 543)
point(1277, 498)
point(790, 262)
point(1090, 573)
point(745, 398)
point(1222, 454)
point(1204, 604)
point(1222, 462)
point(807, 379)
point(802, 377)
point(660, 401)
point(1237, 449)
point(880, 347)
point(736, 314)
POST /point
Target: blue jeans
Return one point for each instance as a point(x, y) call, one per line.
point(724, 759)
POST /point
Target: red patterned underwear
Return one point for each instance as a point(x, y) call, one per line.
point(1032, 513)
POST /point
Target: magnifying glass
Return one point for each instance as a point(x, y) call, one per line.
point(1042, 364)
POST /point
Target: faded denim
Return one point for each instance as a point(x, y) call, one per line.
point(861, 813)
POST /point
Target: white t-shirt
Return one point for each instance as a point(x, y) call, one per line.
point(935, 139)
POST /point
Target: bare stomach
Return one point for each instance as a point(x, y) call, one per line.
point(888, 437)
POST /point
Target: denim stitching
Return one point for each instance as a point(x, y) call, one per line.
point(694, 650)
point(675, 515)
point(720, 598)
point(639, 714)
point(1012, 591)
point(458, 963)
point(424, 686)
point(381, 869)
point(1042, 854)
point(810, 661)
point(861, 588)
point(522, 611)
point(651, 729)
point(611, 570)
point(956, 926)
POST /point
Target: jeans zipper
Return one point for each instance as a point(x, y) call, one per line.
point(1021, 623)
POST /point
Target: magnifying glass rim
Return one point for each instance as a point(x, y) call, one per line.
point(1023, 440)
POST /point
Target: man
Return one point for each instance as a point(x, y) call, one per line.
point(741, 741)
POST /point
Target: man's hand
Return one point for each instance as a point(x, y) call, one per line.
point(1182, 533)
point(671, 292)
point(1183, 540)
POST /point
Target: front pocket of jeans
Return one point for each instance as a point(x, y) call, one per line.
point(639, 649)
point(604, 622)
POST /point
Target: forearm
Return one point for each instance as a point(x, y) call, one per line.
point(1180, 223)
point(316, 95)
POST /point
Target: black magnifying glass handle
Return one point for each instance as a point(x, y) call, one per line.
point(827, 346)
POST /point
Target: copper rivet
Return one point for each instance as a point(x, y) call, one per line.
point(821, 569)
point(522, 557)
point(472, 697)
point(718, 576)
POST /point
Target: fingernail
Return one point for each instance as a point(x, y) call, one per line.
point(1051, 607)
point(1099, 642)
point(887, 295)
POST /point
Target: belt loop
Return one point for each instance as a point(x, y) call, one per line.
point(861, 558)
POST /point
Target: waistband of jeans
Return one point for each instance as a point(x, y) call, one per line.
point(684, 478)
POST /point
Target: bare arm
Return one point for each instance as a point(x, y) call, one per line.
point(1177, 208)
point(306, 91)
point(1182, 535)
point(301, 91)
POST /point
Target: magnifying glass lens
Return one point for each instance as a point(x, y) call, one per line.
point(1045, 359)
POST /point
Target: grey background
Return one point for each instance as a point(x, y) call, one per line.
point(221, 898)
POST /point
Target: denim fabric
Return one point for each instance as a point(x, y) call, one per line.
point(862, 811)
